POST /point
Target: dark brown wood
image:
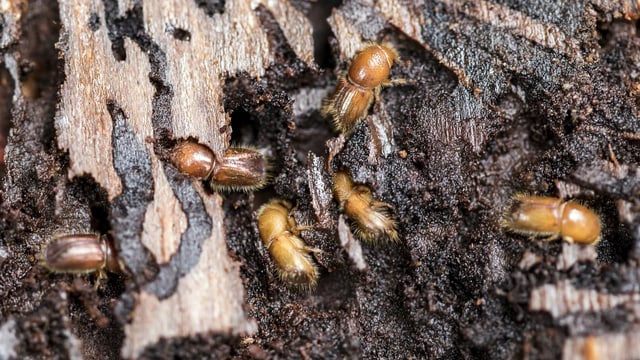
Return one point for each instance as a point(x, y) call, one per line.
point(501, 98)
point(106, 86)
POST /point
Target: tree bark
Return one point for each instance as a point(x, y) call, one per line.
point(501, 98)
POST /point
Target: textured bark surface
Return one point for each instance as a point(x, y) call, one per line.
point(502, 97)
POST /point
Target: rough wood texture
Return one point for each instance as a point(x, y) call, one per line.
point(122, 89)
point(185, 54)
point(503, 97)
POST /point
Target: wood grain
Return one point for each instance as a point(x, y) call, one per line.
point(210, 297)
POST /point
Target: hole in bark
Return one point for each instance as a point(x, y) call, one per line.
point(309, 136)
point(211, 7)
point(130, 25)
point(94, 22)
point(89, 192)
point(179, 34)
point(244, 128)
point(318, 12)
point(40, 68)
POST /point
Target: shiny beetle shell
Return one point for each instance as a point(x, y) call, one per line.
point(81, 253)
point(355, 92)
point(240, 169)
point(550, 217)
point(371, 67)
point(193, 159)
point(372, 220)
point(278, 231)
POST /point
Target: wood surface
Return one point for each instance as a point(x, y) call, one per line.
point(486, 82)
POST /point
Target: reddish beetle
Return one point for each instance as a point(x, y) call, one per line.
point(240, 169)
point(369, 71)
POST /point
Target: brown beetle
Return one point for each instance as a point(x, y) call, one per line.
point(372, 220)
point(368, 72)
point(539, 216)
point(279, 233)
point(240, 169)
point(193, 159)
point(82, 253)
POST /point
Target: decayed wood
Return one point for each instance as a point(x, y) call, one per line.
point(605, 346)
point(562, 299)
point(564, 302)
point(443, 38)
point(11, 12)
point(448, 278)
point(210, 297)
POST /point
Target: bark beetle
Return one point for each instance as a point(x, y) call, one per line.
point(504, 98)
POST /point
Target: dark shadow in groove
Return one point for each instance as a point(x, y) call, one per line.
point(132, 163)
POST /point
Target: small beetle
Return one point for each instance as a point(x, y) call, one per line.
point(540, 216)
point(193, 159)
point(372, 220)
point(279, 234)
point(369, 71)
point(82, 253)
point(241, 169)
